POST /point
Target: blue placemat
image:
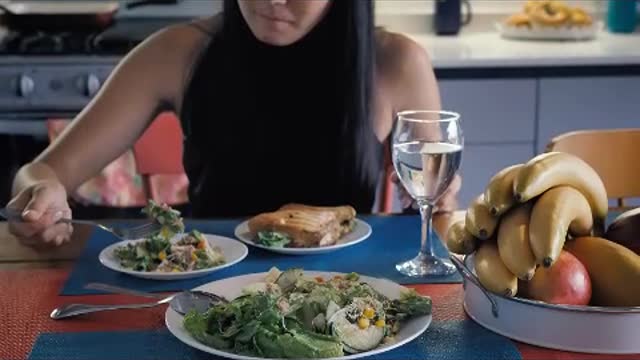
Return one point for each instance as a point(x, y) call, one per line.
point(455, 340)
point(394, 238)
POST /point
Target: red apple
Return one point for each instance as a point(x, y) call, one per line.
point(567, 282)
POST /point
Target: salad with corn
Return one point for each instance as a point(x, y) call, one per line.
point(289, 315)
point(169, 218)
point(159, 252)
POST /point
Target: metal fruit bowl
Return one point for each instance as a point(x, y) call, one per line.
point(587, 329)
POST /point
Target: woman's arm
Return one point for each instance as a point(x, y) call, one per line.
point(414, 87)
point(148, 78)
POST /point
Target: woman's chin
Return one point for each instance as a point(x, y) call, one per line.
point(278, 36)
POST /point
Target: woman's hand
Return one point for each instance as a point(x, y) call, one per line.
point(448, 202)
point(42, 205)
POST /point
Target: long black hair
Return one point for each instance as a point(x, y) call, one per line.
point(326, 79)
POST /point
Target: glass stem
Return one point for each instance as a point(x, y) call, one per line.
point(426, 242)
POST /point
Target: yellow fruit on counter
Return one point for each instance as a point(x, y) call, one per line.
point(499, 193)
point(556, 213)
point(552, 169)
point(492, 272)
point(459, 240)
point(513, 242)
point(479, 221)
point(614, 270)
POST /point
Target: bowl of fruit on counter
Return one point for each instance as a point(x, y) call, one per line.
point(539, 264)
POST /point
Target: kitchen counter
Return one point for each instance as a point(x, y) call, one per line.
point(516, 95)
point(489, 50)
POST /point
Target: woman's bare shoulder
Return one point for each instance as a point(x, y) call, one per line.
point(399, 57)
point(184, 39)
point(405, 70)
point(165, 58)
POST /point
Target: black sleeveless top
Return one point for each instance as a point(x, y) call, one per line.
point(270, 133)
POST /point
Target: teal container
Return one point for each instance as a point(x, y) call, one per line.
point(622, 16)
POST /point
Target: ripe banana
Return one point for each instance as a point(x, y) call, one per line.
point(459, 240)
point(558, 211)
point(614, 270)
point(499, 192)
point(492, 272)
point(479, 221)
point(513, 242)
point(552, 169)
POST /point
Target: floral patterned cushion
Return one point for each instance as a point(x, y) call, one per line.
point(119, 184)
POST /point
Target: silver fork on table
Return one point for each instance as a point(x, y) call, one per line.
point(125, 233)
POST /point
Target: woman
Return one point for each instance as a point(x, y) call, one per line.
point(279, 101)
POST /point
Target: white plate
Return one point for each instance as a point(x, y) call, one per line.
point(232, 250)
point(361, 231)
point(231, 288)
point(549, 32)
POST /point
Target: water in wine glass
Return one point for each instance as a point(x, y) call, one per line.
point(426, 168)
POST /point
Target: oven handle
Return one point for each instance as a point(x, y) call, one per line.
point(36, 127)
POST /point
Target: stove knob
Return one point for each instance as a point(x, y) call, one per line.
point(25, 85)
point(92, 85)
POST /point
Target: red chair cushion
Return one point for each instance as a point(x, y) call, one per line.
point(159, 149)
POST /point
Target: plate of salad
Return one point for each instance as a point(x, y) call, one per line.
point(171, 253)
point(302, 315)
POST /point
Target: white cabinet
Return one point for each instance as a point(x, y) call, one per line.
point(493, 110)
point(498, 118)
point(508, 121)
point(568, 104)
point(481, 162)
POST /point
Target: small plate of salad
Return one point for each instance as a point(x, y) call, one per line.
point(170, 253)
point(303, 315)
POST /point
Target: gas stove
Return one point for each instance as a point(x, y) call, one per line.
point(56, 74)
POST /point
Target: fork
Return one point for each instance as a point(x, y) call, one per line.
point(131, 233)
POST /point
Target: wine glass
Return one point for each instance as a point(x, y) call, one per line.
point(427, 152)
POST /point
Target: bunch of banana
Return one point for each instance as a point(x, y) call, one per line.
point(525, 215)
point(479, 221)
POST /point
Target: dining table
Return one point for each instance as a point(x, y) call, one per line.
point(30, 288)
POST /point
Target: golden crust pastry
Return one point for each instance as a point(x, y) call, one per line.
point(343, 213)
point(550, 13)
point(580, 17)
point(307, 226)
point(518, 20)
point(530, 5)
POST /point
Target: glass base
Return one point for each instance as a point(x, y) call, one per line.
point(426, 265)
